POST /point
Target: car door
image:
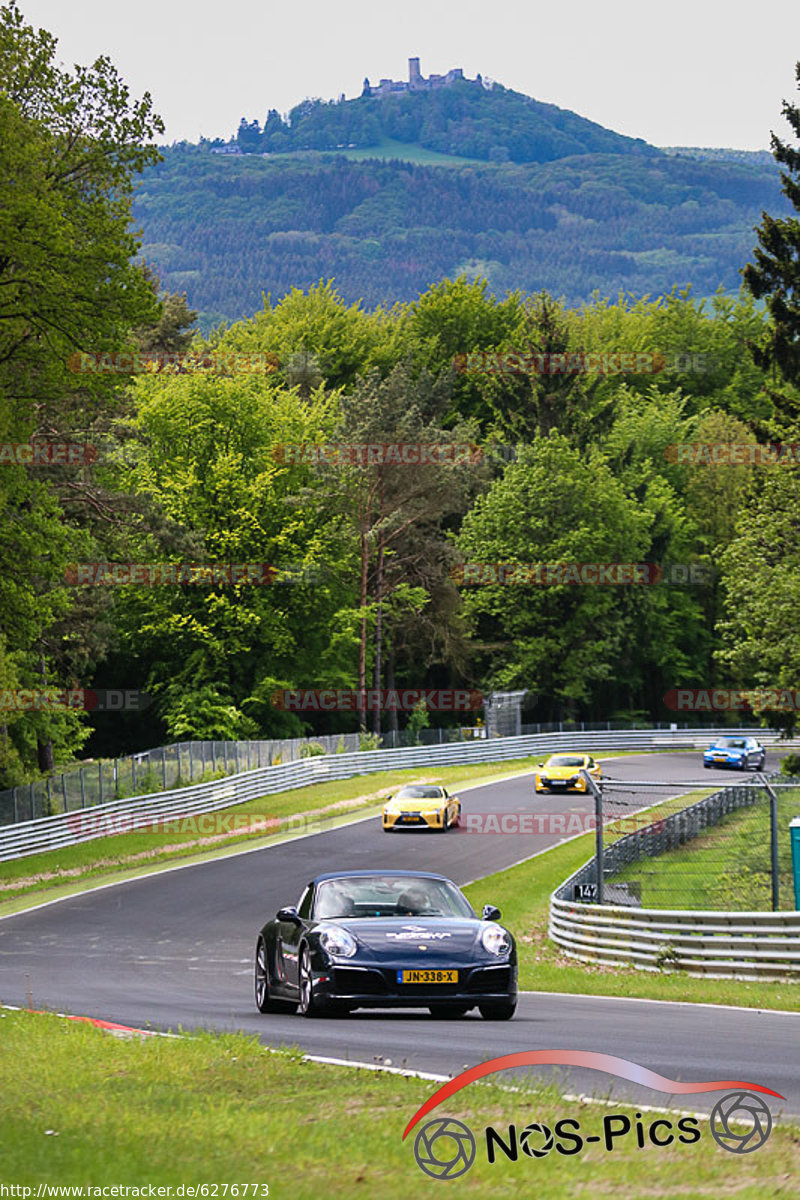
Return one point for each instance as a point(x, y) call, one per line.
point(288, 943)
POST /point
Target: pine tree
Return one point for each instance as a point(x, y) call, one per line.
point(775, 274)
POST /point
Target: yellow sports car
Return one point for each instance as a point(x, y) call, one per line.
point(561, 773)
point(417, 805)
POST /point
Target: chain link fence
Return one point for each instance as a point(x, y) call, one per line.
point(726, 851)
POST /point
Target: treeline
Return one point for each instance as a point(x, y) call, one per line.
point(464, 119)
point(227, 230)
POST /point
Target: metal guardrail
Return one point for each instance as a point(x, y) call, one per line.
point(720, 945)
point(182, 764)
point(711, 944)
point(68, 829)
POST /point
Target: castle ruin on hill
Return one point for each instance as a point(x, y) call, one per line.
point(417, 82)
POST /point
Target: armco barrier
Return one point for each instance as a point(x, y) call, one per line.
point(65, 829)
point(721, 945)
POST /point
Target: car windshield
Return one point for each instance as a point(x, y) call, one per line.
point(731, 744)
point(565, 760)
point(389, 896)
point(419, 793)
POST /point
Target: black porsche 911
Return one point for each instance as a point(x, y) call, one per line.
point(386, 939)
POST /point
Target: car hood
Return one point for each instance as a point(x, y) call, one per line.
point(411, 805)
point(729, 750)
point(390, 938)
point(559, 772)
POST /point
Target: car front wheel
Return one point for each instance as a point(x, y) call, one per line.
point(264, 1002)
point(311, 1005)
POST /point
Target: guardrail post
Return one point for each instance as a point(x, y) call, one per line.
point(773, 841)
point(598, 832)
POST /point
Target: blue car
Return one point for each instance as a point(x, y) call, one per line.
point(742, 753)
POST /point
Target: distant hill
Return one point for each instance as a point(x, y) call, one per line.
point(464, 119)
point(762, 158)
point(439, 193)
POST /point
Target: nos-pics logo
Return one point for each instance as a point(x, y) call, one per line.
point(446, 1148)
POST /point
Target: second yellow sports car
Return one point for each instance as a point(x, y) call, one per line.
point(561, 773)
point(421, 805)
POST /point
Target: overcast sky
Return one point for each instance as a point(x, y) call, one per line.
point(675, 72)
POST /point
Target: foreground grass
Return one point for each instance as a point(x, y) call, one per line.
point(104, 858)
point(726, 868)
point(523, 894)
point(80, 1107)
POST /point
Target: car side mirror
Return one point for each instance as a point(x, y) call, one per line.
point(541, 764)
point(288, 914)
point(491, 913)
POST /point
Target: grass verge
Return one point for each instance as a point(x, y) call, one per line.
point(78, 1107)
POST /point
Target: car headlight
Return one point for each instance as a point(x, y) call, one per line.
point(338, 942)
point(495, 939)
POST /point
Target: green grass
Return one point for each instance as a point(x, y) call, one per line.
point(390, 148)
point(729, 867)
point(523, 894)
point(78, 1107)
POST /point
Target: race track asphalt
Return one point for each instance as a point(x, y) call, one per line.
point(174, 950)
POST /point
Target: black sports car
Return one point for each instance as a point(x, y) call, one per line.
point(386, 939)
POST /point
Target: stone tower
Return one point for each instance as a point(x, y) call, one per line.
point(414, 76)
